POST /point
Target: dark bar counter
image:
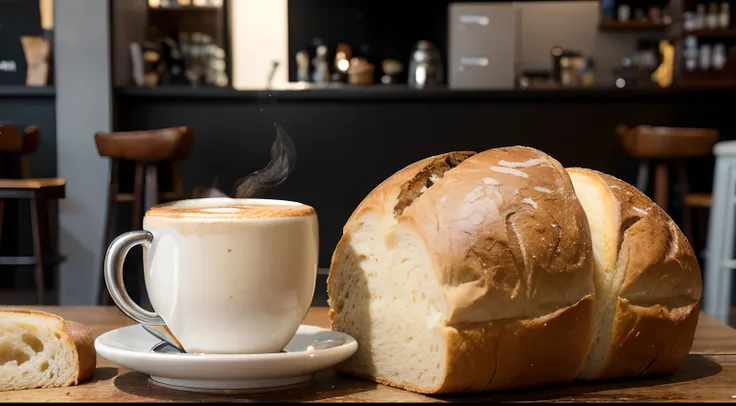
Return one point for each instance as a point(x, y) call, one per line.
point(348, 140)
point(401, 92)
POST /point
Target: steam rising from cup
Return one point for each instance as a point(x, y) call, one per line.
point(283, 160)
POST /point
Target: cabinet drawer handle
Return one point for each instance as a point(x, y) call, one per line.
point(475, 19)
point(473, 61)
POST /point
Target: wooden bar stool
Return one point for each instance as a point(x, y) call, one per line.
point(663, 147)
point(146, 150)
point(38, 192)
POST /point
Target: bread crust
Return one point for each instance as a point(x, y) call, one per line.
point(658, 305)
point(507, 235)
point(78, 336)
point(508, 354)
point(81, 336)
point(511, 247)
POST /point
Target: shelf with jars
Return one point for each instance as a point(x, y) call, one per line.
point(707, 18)
point(186, 44)
point(708, 42)
point(617, 15)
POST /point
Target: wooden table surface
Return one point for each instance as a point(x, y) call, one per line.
point(708, 375)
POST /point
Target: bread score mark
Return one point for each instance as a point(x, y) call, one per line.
point(525, 164)
point(426, 178)
point(509, 171)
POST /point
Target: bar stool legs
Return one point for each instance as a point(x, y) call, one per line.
point(146, 194)
point(36, 225)
point(150, 197)
point(135, 216)
point(111, 216)
point(719, 261)
point(38, 193)
point(642, 177)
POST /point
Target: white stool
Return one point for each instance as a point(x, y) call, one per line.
point(719, 261)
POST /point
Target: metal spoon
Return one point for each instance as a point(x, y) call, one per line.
point(169, 346)
point(165, 348)
point(163, 337)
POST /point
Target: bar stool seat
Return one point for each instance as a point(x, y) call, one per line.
point(664, 147)
point(668, 142)
point(147, 150)
point(53, 187)
point(39, 192)
point(167, 144)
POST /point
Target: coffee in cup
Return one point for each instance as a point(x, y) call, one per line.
point(225, 276)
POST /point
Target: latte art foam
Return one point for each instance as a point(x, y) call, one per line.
point(189, 209)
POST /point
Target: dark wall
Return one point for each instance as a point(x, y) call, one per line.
point(346, 146)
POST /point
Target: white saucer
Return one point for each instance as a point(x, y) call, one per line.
point(132, 348)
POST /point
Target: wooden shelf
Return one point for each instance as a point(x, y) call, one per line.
point(718, 32)
point(703, 83)
point(185, 9)
point(402, 92)
point(27, 91)
point(613, 25)
point(190, 7)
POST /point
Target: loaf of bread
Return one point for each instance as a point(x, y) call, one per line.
point(41, 350)
point(467, 272)
point(499, 270)
point(647, 281)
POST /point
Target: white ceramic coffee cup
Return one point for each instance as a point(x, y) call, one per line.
point(225, 276)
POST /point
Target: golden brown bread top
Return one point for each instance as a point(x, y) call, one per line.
point(660, 265)
point(503, 228)
point(386, 194)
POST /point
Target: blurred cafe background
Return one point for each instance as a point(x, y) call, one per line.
point(641, 89)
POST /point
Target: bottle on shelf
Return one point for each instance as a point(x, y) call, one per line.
point(689, 18)
point(302, 63)
point(700, 17)
point(711, 20)
point(655, 14)
point(705, 57)
point(342, 62)
point(667, 15)
point(691, 53)
point(724, 18)
point(719, 56)
point(607, 10)
point(321, 73)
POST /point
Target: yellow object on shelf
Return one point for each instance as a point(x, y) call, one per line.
point(664, 73)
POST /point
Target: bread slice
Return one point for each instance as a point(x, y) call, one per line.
point(467, 272)
point(647, 280)
point(41, 350)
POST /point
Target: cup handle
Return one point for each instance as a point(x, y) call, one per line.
point(114, 259)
